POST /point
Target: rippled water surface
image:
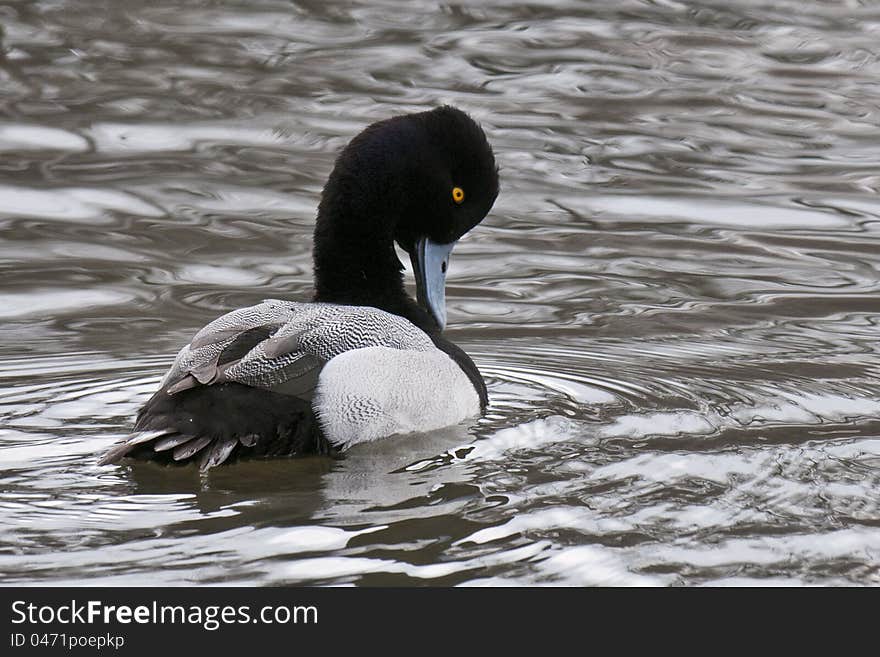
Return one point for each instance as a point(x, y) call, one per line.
point(674, 301)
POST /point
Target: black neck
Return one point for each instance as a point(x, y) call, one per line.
point(356, 264)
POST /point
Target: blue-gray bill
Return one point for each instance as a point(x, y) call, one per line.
point(430, 261)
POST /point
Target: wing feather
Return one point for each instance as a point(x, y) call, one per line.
point(282, 346)
point(172, 441)
point(129, 443)
point(191, 447)
point(217, 453)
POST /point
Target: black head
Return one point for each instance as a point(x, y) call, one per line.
point(429, 176)
point(454, 181)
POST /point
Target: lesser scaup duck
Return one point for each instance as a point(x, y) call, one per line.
point(363, 360)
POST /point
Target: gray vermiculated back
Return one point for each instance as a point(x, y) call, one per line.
point(327, 330)
point(308, 335)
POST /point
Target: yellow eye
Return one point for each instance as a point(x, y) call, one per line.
point(457, 194)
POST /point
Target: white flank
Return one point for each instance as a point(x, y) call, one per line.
point(374, 392)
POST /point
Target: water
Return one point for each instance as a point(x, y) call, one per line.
point(674, 301)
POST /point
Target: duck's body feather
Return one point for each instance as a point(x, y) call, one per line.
point(346, 374)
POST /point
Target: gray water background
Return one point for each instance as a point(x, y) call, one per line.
point(674, 300)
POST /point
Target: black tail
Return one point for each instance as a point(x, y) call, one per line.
point(214, 424)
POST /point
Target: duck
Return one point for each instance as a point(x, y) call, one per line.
point(362, 360)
